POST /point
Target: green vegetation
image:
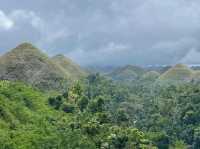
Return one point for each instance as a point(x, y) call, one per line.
point(99, 113)
point(31, 119)
point(136, 109)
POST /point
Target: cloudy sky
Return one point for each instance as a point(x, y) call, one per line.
point(106, 32)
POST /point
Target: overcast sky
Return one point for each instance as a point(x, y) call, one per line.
point(106, 32)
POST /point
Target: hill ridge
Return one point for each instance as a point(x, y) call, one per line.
point(29, 64)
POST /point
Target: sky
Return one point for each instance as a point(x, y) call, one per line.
point(105, 32)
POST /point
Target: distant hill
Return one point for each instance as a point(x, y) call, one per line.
point(126, 73)
point(72, 69)
point(161, 69)
point(179, 72)
point(195, 67)
point(101, 69)
point(28, 64)
point(150, 75)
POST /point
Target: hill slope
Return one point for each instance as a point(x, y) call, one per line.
point(126, 73)
point(179, 72)
point(24, 117)
point(28, 64)
point(72, 69)
point(150, 75)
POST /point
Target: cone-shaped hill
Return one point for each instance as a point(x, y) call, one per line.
point(28, 64)
point(150, 75)
point(128, 72)
point(179, 72)
point(69, 67)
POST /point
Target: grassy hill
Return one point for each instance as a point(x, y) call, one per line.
point(179, 72)
point(28, 64)
point(126, 73)
point(151, 75)
point(72, 69)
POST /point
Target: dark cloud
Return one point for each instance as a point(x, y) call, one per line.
point(105, 32)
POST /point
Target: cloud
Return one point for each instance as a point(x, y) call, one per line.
point(192, 57)
point(170, 52)
point(109, 54)
point(48, 33)
point(30, 27)
point(112, 32)
point(5, 22)
point(21, 16)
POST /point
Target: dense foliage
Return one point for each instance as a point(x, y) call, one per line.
point(30, 119)
point(99, 113)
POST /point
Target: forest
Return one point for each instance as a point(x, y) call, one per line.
point(53, 103)
point(97, 112)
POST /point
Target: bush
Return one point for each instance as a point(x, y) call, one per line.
point(82, 103)
point(56, 102)
point(68, 108)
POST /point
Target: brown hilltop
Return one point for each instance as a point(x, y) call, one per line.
point(29, 64)
point(69, 67)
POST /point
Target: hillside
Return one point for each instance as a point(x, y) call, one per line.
point(28, 64)
point(127, 73)
point(179, 72)
point(25, 117)
point(72, 69)
point(30, 119)
point(160, 69)
point(150, 75)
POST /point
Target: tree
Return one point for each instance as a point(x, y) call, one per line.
point(55, 102)
point(83, 102)
point(68, 108)
point(196, 142)
point(97, 105)
point(121, 116)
